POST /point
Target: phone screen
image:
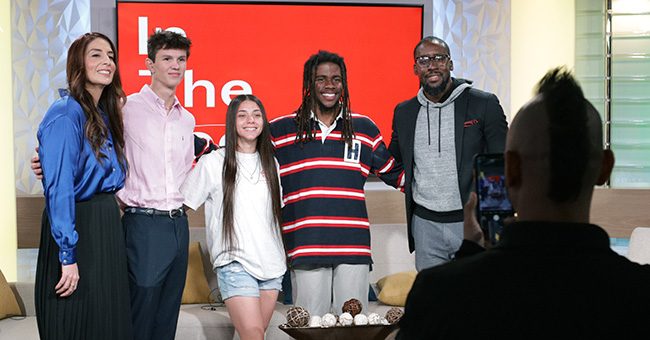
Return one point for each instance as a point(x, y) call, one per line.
point(493, 204)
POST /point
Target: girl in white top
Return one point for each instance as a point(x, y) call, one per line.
point(241, 190)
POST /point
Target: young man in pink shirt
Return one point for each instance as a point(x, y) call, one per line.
point(159, 147)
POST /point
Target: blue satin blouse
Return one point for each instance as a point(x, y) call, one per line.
point(71, 172)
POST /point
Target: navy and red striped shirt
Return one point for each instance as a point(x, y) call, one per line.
point(324, 220)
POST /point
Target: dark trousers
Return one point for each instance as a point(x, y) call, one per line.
point(156, 249)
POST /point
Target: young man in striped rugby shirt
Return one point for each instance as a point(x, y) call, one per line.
point(326, 153)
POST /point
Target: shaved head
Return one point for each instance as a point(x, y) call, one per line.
point(557, 140)
point(433, 40)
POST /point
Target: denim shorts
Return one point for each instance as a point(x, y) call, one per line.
point(234, 280)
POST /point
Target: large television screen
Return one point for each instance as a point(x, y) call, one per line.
point(261, 48)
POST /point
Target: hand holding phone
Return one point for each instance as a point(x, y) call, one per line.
point(471, 228)
point(493, 206)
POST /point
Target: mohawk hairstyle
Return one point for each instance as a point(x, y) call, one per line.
point(305, 131)
point(569, 145)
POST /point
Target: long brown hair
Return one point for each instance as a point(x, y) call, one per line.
point(111, 100)
point(304, 122)
point(265, 150)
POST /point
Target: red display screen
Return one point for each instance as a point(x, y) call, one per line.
point(261, 49)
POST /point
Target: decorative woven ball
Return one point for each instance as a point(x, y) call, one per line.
point(360, 320)
point(352, 306)
point(328, 320)
point(374, 319)
point(297, 317)
point(314, 321)
point(346, 319)
point(393, 315)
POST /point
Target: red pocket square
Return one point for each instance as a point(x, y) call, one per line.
point(470, 123)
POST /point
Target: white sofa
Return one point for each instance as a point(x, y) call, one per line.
point(390, 254)
point(21, 328)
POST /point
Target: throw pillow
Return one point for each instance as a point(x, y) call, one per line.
point(8, 304)
point(394, 288)
point(196, 285)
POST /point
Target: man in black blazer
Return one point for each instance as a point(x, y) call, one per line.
point(436, 135)
point(553, 275)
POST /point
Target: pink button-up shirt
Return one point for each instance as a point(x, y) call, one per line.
point(159, 148)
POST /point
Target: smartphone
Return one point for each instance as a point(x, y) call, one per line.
point(493, 204)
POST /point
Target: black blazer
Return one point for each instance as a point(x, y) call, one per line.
point(480, 126)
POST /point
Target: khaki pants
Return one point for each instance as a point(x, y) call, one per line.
point(323, 289)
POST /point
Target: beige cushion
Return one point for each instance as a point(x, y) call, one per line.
point(394, 288)
point(8, 304)
point(196, 285)
point(639, 249)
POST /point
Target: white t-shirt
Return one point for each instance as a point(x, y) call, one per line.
point(258, 240)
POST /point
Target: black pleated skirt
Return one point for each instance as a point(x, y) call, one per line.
point(100, 307)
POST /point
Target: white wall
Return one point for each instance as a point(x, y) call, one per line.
point(8, 241)
point(543, 37)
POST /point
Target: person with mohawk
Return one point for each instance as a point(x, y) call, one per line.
point(553, 273)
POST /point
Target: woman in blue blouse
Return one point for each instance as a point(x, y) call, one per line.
point(81, 278)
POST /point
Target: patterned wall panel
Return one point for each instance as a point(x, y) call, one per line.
point(42, 33)
point(478, 33)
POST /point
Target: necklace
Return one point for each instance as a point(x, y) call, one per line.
point(250, 174)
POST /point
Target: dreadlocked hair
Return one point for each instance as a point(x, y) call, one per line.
point(306, 126)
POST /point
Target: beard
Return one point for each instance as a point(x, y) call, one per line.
point(433, 91)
